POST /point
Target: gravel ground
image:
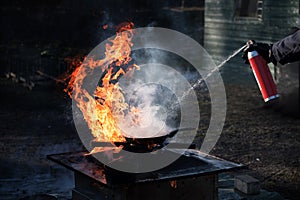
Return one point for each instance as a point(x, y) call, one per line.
point(36, 123)
point(266, 141)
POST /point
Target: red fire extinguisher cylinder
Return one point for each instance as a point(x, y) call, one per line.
point(263, 76)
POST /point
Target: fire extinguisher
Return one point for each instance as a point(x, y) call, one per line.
point(263, 76)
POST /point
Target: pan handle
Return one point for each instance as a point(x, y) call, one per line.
point(173, 132)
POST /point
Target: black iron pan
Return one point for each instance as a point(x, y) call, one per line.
point(143, 145)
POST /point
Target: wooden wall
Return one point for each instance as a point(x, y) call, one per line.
point(224, 32)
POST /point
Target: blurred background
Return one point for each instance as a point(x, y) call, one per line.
point(40, 37)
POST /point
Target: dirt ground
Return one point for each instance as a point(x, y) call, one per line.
point(38, 122)
point(265, 140)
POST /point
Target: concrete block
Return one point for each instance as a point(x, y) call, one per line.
point(247, 184)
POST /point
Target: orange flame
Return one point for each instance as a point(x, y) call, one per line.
point(105, 26)
point(173, 184)
point(107, 105)
point(135, 115)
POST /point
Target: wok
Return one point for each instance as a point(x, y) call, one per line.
point(144, 145)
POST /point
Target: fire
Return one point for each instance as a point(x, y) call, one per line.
point(105, 26)
point(173, 184)
point(135, 115)
point(106, 106)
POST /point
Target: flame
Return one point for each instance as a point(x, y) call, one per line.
point(173, 184)
point(104, 149)
point(135, 116)
point(102, 109)
point(105, 26)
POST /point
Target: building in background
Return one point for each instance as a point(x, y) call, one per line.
point(229, 24)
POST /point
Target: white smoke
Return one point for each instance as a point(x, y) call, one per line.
point(150, 115)
point(152, 92)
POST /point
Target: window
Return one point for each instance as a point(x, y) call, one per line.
point(249, 8)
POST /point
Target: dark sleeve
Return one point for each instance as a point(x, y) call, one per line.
point(288, 49)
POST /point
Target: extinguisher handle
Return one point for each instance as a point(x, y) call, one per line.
point(263, 49)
